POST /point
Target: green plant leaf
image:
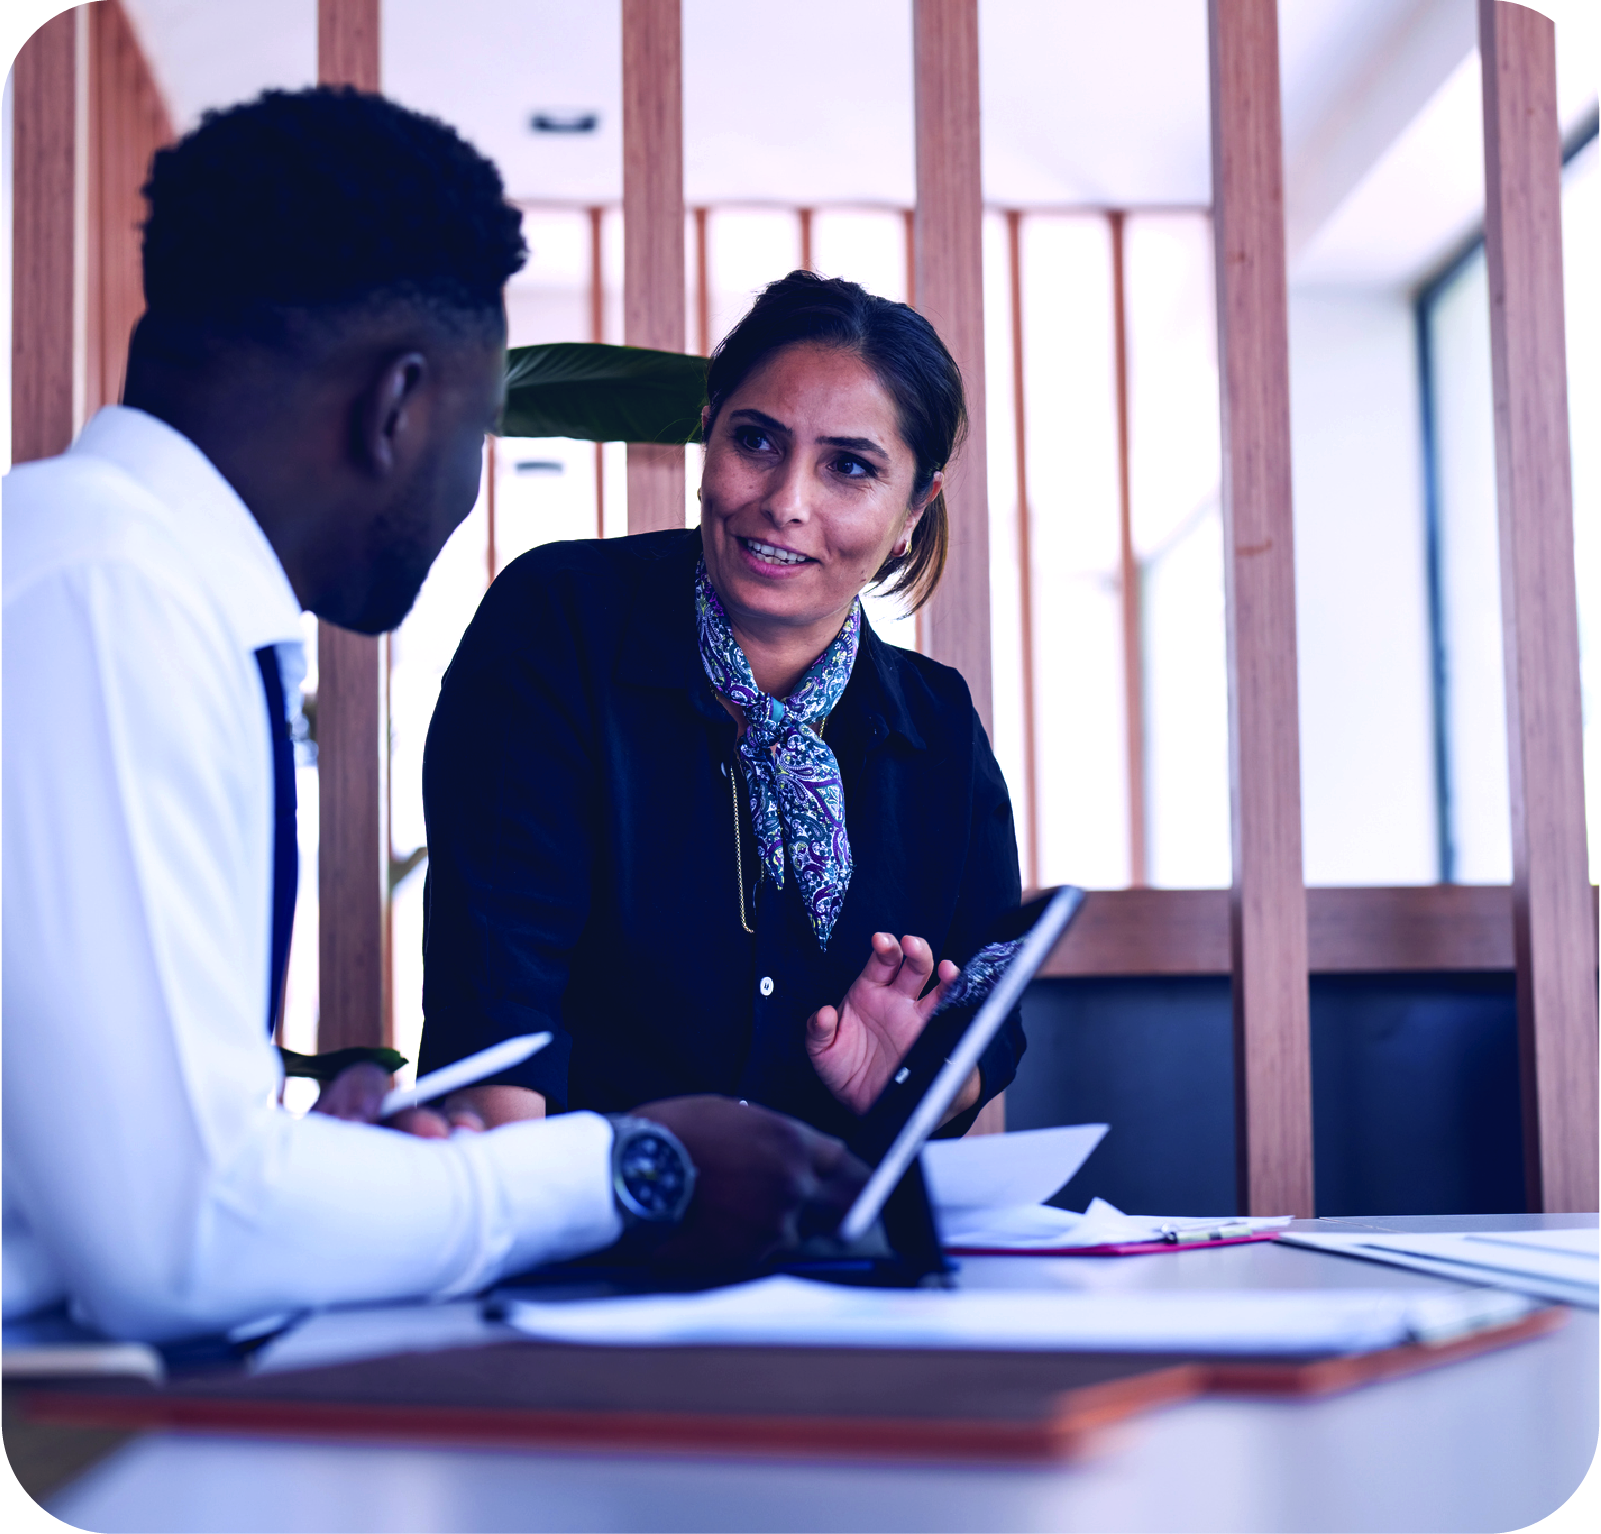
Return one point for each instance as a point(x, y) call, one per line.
point(603, 393)
point(326, 1067)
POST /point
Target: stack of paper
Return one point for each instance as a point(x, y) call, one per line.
point(1553, 1264)
point(990, 1192)
point(1041, 1228)
point(796, 1312)
point(1006, 1171)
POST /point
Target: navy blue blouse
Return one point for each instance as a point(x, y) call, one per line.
point(586, 842)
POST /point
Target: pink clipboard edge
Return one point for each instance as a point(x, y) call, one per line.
point(1110, 1248)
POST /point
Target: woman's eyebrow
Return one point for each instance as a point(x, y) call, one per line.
point(767, 423)
point(854, 444)
point(757, 418)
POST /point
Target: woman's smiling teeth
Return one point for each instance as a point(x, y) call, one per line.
point(772, 553)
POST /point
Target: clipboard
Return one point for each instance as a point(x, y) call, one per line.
point(799, 1402)
point(1111, 1248)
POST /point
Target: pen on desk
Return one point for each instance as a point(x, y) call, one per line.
point(452, 1078)
point(1176, 1233)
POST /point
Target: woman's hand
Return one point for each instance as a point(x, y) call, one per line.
point(858, 1046)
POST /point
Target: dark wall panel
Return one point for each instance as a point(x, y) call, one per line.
point(1151, 1058)
point(1414, 1083)
point(1415, 1095)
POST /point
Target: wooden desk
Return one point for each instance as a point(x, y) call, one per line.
point(1493, 1443)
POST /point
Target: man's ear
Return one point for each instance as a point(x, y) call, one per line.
point(387, 411)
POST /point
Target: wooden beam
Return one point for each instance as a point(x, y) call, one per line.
point(348, 43)
point(597, 334)
point(1272, 1045)
point(352, 860)
point(128, 122)
point(703, 284)
point(909, 249)
point(44, 177)
point(352, 746)
point(1128, 576)
point(950, 292)
point(1400, 929)
point(653, 232)
point(1553, 924)
point(1025, 555)
point(491, 542)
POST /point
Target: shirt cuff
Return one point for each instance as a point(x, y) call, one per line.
point(549, 1182)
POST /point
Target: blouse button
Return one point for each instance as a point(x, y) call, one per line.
point(765, 986)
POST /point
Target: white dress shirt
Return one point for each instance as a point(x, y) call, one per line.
point(149, 1175)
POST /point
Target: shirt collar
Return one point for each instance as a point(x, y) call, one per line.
point(207, 516)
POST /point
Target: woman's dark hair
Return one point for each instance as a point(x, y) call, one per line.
point(909, 360)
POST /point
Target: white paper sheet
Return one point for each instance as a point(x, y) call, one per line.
point(1555, 1265)
point(796, 1312)
point(1030, 1227)
point(997, 1171)
point(1555, 1243)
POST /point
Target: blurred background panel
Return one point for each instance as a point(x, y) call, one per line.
point(1107, 576)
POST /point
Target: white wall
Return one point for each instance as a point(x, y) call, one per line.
point(1361, 591)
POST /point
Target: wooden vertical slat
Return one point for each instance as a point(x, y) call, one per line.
point(950, 292)
point(491, 549)
point(348, 43)
point(909, 245)
point(352, 746)
point(597, 334)
point(653, 232)
point(1553, 922)
point(1025, 557)
point(128, 122)
point(703, 284)
point(1128, 575)
point(44, 132)
point(1273, 1087)
point(804, 217)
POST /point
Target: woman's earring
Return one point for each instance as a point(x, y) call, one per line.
point(697, 492)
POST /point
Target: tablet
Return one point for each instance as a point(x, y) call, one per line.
point(911, 1106)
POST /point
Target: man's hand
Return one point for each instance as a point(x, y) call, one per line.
point(357, 1093)
point(763, 1182)
point(858, 1046)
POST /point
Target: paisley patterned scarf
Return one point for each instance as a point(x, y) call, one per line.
point(797, 803)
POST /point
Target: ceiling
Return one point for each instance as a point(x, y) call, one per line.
point(1085, 102)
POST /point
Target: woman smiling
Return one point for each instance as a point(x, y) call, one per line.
point(678, 790)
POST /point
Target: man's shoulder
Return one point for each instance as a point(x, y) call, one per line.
point(79, 511)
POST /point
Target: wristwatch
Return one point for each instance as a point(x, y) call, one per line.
point(652, 1180)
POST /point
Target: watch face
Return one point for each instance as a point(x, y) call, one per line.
point(653, 1176)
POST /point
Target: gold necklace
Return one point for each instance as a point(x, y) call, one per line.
point(739, 854)
point(739, 841)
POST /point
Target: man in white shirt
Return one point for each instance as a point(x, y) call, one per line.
point(306, 403)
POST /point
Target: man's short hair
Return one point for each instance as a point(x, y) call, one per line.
point(318, 202)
